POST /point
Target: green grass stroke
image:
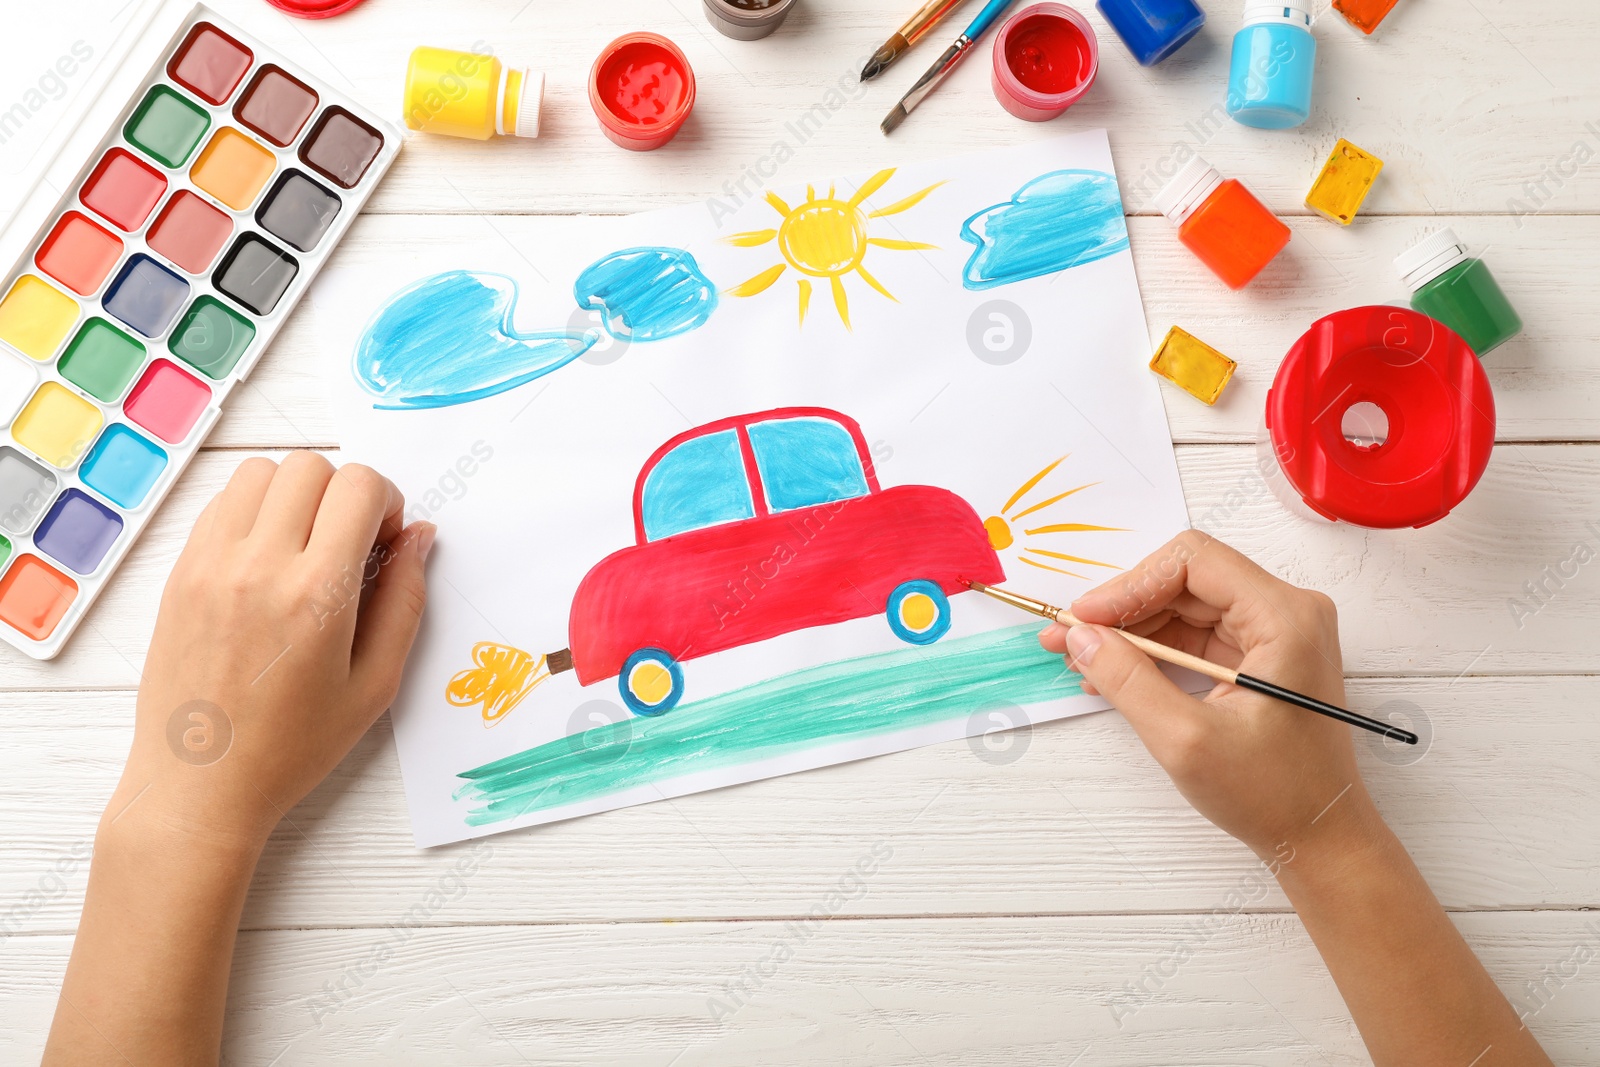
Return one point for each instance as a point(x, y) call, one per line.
point(853, 698)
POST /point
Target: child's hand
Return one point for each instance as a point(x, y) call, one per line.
point(267, 662)
point(1261, 770)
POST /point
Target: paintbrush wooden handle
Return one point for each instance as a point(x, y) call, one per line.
point(1156, 650)
point(1218, 673)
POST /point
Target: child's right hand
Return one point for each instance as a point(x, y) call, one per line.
point(1261, 770)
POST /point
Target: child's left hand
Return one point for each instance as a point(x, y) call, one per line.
point(266, 665)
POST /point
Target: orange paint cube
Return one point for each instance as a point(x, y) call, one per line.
point(233, 168)
point(34, 597)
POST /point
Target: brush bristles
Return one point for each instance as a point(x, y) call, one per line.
point(893, 119)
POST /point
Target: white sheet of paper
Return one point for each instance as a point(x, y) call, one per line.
point(967, 389)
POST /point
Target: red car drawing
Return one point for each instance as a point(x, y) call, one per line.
point(759, 525)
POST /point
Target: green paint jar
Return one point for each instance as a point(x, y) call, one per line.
point(1448, 285)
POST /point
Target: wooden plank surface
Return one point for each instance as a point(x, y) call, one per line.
point(1067, 818)
point(1217, 987)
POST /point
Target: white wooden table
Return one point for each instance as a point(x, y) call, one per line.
point(1057, 905)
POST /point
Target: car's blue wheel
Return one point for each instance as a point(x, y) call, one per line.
point(918, 612)
point(651, 682)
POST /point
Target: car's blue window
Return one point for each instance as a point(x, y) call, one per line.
point(700, 483)
point(805, 462)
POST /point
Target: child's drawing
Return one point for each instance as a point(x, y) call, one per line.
point(1054, 222)
point(723, 599)
point(759, 525)
point(448, 339)
point(501, 677)
point(647, 294)
point(850, 700)
point(1002, 528)
point(828, 238)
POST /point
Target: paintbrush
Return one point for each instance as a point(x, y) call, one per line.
point(944, 65)
point(1215, 671)
point(916, 27)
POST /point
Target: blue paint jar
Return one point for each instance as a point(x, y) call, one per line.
point(1274, 57)
point(1153, 29)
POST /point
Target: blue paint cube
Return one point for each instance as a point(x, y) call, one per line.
point(123, 466)
point(146, 296)
point(79, 531)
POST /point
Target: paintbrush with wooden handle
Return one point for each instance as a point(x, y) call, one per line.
point(1215, 671)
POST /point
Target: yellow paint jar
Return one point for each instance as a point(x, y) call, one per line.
point(471, 94)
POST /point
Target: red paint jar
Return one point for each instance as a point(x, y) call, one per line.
point(642, 89)
point(1045, 58)
point(1379, 417)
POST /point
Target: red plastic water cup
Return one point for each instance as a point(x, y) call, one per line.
point(642, 89)
point(1381, 417)
point(1045, 58)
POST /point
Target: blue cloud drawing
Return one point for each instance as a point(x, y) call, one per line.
point(448, 340)
point(647, 294)
point(1060, 220)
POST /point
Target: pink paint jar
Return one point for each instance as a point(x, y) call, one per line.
point(642, 89)
point(1045, 57)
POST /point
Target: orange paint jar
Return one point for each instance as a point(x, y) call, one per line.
point(1222, 222)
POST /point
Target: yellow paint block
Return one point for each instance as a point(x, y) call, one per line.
point(35, 317)
point(1192, 365)
point(1344, 183)
point(58, 425)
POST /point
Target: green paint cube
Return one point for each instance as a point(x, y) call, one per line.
point(5, 551)
point(102, 360)
point(211, 337)
point(167, 127)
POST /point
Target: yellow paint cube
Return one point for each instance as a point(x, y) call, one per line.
point(35, 317)
point(1344, 183)
point(1192, 365)
point(58, 425)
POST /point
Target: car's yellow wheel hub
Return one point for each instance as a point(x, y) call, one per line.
point(918, 612)
point(650, 682)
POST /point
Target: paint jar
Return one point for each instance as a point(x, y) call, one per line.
point(314, 9)
point(1222, 222)
point(1364, 15)
point(1274, 57)
point(1045, 58)
point(467, 94)
point(642, 90)
point(1459, 291)
point(747, 20)
point(1153, 29)
point(1379, 417)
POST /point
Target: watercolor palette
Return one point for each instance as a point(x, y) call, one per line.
point(150, 292)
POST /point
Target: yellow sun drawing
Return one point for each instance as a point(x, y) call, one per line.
point(1003, 536)
point(827, 238)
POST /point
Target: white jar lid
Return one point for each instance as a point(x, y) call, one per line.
point(1429, 258)
point(1187, 190)
point(530, 103)
point(1288, 12)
